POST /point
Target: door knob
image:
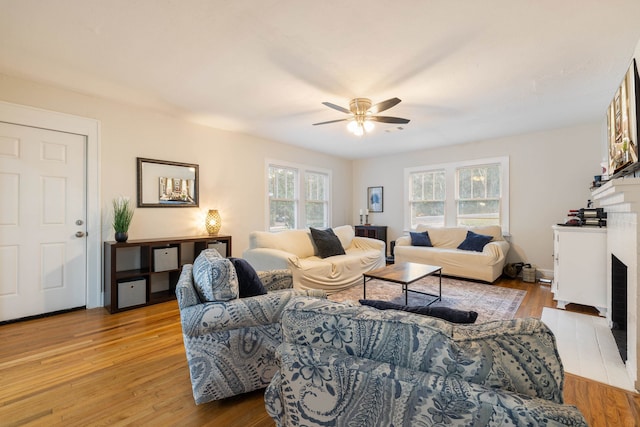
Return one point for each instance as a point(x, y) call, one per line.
point(80, 234)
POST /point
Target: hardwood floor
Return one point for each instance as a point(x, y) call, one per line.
point(92, 368)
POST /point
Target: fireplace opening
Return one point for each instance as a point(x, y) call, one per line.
point(619, 304)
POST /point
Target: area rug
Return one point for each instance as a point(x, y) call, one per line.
point(489, 301)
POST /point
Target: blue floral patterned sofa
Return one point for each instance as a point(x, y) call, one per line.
point(230, 344)
point(344, 365)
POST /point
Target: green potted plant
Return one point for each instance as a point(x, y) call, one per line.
point(122, 216)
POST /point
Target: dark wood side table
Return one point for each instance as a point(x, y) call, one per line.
point(373, 231)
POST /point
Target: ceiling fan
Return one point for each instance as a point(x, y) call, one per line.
point(362, 114)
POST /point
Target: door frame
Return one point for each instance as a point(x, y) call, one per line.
point(90, 128)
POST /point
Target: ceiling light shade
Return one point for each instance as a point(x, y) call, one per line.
point(213, 222)
point(368, 126)
point(359, 126)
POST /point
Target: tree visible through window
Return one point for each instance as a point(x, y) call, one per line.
point(466, 193)
point(426, 197)
point(316, 199)
point(298, 198)
point(478, 197)
point(282, 198)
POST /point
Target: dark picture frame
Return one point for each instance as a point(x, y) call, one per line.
point(375, 199)
point(166, 184)
point(623, 125)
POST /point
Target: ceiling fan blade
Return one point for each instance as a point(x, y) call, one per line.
point(337, 107)
point(387, 119)
point(330, 121)
point(384, 105)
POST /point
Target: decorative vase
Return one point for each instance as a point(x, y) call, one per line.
point(121, 236)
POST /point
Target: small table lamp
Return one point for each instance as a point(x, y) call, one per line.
point(213, 222)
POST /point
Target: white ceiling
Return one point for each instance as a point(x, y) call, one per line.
point(465, 70)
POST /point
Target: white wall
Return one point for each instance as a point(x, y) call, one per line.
point(550, 173)
point(232, 165)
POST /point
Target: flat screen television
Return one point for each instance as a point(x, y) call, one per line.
point(622, 125)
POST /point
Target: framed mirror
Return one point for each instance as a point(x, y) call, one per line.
point(167, 184)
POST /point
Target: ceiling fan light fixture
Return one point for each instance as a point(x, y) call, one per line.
point(363, 114)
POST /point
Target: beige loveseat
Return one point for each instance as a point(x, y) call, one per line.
point(295, 250)
point(486, 265)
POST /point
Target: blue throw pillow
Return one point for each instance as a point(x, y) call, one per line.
point(248, 281)
point(474, 242)
point(449, 314)
point(420, 239)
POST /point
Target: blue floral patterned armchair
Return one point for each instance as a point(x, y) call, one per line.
point(344, 365)
point(230, 342)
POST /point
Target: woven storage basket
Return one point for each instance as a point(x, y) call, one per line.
point(529, 274)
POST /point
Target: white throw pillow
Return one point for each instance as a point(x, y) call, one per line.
point(345, 233)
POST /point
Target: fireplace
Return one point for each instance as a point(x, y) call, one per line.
point(619, 304)
point(620, 198)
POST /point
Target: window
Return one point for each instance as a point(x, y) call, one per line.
point(298, 197)
point(426, 198)
point(316, 200)
point(466, 193)
point(478, 195)
point(283, 203)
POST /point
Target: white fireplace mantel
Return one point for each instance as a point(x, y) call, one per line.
point(620, 198)
point(620, 195)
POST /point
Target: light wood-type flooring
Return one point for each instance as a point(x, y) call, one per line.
point(90, 367)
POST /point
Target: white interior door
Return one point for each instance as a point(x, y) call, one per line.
point(43, 251)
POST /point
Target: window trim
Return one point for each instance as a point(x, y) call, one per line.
point(450, 210)
point(302, 169)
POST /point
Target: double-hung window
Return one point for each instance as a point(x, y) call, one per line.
point(469, 193)
point(298, 196)
point(427, 197)
point(316, 200)
point(478, 195)
point(283, 203)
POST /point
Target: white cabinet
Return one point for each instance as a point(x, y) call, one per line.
point(580, 266)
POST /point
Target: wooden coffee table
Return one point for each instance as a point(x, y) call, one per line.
point(405, 273)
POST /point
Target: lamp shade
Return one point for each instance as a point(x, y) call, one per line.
point(213, 222)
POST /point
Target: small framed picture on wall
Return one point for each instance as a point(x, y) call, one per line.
point(375, 200)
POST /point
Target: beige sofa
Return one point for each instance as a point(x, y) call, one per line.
point(295, 250)
point(486, 265)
